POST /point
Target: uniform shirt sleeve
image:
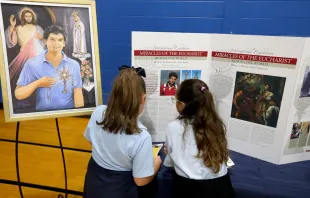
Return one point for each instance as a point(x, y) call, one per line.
point(87, 133)
point(168, 161)
point(88, 127)
point(92, 124)
point(26, 76)
point(143, 162)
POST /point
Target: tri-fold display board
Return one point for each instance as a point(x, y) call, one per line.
point(261, 87)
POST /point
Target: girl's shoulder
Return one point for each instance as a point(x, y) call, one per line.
point(100, 109)
point(143, 133)
point(175, 123)
point(98, 113)
point(175, 127)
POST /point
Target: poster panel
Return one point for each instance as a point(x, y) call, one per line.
point(253, 81)
point(168, 59)
point(296, 144)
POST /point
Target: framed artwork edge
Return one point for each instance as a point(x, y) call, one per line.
point(49, 114)
point(81, 2)
point(96, 46)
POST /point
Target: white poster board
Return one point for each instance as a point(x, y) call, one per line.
point(296, 144)
point(184, 55)
point(255, 80)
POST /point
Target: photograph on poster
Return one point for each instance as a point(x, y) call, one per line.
point(257, 98)
point(196, 74)
point(190, 74)
point(169, 81)
point(186, 74)
point(305, 88)
point(299, 135)
point(50, 57)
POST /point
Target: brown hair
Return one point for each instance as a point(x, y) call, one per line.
point(23, 20)
point(209, 130)
point(124, 103)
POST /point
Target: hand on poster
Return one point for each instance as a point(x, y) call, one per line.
point(165, 149)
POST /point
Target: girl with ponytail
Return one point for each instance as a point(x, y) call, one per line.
point(122, 163)
point(197, 146)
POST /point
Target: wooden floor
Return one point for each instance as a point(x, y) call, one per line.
point(39, 164)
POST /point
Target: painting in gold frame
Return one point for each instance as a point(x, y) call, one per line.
point(49, 59)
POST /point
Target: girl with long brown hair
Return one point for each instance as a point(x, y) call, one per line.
point(122, 159)
point(197, 146)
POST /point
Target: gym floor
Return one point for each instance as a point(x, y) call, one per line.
point(43, 165)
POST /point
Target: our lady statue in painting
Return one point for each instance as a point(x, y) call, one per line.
point(79, 39)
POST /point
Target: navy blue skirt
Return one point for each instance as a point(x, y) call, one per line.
point(212, 188)
point(104, 183)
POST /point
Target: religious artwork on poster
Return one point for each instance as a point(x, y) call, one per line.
point(305, 89)
point(299, 135)
point(51, 60)
point(257, 98)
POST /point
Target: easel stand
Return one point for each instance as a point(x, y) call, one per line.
point(63, 160)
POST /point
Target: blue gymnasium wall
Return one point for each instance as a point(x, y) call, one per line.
point(117, 18)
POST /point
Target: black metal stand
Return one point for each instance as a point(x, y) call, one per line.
point(63, 160)
point(16, 159)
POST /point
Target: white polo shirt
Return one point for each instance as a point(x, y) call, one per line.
point(182, 154)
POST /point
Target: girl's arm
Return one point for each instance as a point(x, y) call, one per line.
point(168, 149)
point(165, 149)
point(145, 167)
point(147, 180)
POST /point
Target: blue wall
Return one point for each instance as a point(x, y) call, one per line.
point(117, 18)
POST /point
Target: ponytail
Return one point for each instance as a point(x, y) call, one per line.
point(209, 130)
point(124, 103)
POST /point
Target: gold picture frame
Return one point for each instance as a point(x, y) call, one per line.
point(80, 47)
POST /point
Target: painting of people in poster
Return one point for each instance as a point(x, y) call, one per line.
point(50, 59)
point(257, 98)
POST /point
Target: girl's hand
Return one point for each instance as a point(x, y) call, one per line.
point(157, 163)
point(165, 149)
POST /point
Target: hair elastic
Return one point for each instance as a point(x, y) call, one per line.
point(203, 89)
point(140, 71)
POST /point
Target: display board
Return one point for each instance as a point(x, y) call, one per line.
point(184, 56)
point(296, 143)
point(257, 82)
point(49, 59)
